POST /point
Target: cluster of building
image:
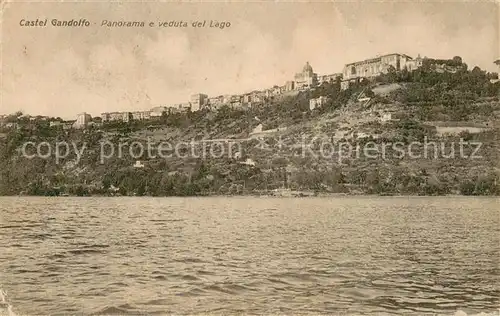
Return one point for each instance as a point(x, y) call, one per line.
point(9, 123)
point(304, 80)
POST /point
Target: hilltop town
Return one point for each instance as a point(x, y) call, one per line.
point(306, 79)
point(389, 98)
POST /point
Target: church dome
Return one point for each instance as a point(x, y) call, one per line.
point(307, 68)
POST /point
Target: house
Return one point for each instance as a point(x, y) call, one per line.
point(318, 102)
point(112, 188)
point(235, 101)
point(82, 120)
point(276, 90)
point(116, 116)
point(359, 135)
point(138, 164)
point(386, 117)
point(344, 84)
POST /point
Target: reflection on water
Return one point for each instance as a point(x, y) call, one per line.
point(356, 255)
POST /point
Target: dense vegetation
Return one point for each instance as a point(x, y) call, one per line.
point(425, 95)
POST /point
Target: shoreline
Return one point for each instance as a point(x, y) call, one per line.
point(322, 195)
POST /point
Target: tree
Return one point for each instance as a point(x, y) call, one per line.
point(467, 188)
point(457, 60)
point(369, 93)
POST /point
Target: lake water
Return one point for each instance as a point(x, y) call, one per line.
point(346, 255)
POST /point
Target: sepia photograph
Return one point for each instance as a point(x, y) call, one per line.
point(249, 158)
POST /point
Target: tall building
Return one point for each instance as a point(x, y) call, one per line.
point(376, 66)
point(82, 120)
point(198, 101)
point(306, 79)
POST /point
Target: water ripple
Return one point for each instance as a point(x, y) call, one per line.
point(154, 256)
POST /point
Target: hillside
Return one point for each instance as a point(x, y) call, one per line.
point(270, 145)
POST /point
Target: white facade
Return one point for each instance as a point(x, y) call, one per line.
point(141, 115)
point(198, 101)
point(386, 117)
point(116, 116)
point(318, 102)
point(376, 66)
point(138, 164)
point(82, 120)
point(306, 79)
point(248, 162)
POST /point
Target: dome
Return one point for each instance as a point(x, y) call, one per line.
point(307, 68)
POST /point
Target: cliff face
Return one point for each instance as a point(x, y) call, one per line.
point(413, 133)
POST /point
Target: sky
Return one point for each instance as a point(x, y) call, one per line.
point(63, 71)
